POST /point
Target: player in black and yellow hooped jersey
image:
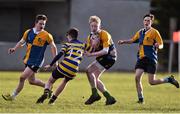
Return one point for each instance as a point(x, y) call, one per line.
point(149, 41)
point(105, 53)
point(36, 40)
point(67, 68)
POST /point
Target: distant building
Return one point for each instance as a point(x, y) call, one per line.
point(122, 18)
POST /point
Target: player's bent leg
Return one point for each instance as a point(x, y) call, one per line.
point(27, 73)
point(139, 88)
point(61, 87)
point(98, 72)
point(90, 74)
point(44, 96)
point(170, 79)
point(50, 83)
point(109, 98)
point(58, 91)
point(47, 91)
point(92, 79)
point(154, 81)
point(101, 87)
point(34, 81)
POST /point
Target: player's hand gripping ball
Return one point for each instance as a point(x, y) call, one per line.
point(95, 42)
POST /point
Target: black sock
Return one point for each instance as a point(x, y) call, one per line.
point(46, 91)
point(141, 99)
point(106, 94)
point(94, 91)
point(53, 98)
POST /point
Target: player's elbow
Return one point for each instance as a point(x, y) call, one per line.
point(53, 46)
point(105, 51)
point(161, 46)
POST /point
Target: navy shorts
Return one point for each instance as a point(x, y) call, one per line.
point(56, 75)
point(147, 65)
point(33, 68)
point(107, 61)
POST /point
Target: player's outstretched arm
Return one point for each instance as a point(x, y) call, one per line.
point(56, 58)
point(47, 67)
point(18, 45)
point(125, 42)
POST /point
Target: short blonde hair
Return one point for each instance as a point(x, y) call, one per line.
point(149, 15)
point(94, 18)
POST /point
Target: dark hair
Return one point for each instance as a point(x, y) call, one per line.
point(149, 15)
point(73, 32)
point(40, 17)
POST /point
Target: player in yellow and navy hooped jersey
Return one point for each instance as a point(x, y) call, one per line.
point(36, 40)
point(149, 41)
point(67, 68)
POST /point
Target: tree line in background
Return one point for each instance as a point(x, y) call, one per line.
point(163, 11)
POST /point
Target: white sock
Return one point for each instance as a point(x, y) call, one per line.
point(14, 94)
point(166, 79)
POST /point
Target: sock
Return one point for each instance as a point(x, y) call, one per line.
point(166, 79)
point(53, 98)
point(140, 96)
point(94, 91)
point(106, 94)
point(14, 94)
point(46, 91)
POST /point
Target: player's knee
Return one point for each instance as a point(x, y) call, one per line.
point(151, 82)
point(137, 79)
point(50, 81)
point(31, 82)
point(22, 79)
point(67, 80)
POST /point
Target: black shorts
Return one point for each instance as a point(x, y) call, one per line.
point(33, 68)
point(147, 65)
point(107, 61)
point(56, 74)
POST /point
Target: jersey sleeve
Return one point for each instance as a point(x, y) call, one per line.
point(106, 39)
point(50, 38)
point(64, 48)
point(158, 38)
point(88, 47)
point(25, 34)
point(135, 38)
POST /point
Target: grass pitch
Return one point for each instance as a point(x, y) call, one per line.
point(160, 98)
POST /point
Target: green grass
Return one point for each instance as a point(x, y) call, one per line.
point(161, 98)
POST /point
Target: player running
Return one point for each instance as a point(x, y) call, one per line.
point(149, 41)
point(67, 68)
point(36, 40)
point(105, 53)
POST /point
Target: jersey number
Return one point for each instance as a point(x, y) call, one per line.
point(76, 51)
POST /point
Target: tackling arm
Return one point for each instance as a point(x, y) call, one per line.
point(57, 57)
point(104, 51)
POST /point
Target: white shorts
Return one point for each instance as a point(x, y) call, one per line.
point(97, 64)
